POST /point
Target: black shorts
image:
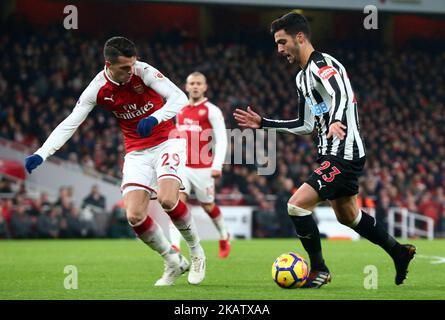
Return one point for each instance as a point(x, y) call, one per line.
point(336, 177)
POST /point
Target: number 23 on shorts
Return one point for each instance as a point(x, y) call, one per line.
point(166, 157)
point(328, 177)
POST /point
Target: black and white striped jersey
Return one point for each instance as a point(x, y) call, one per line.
point(325, 96)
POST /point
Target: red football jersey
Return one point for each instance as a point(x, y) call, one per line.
point(203, 125)
point(129, 103)
point(147, 93)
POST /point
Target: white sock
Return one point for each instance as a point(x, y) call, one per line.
point(182, 219)
point(155, 239)
point(187, 229)
point(220, 226)
point(175, 235)
point(171, 256)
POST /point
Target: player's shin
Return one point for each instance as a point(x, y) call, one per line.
point(182, 219)
point(151, 234)
point(369, 228)
point(174, 235)
point(307, 231)
point(218, 221)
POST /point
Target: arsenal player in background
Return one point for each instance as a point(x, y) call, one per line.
point(202, 123)
point(134, 93)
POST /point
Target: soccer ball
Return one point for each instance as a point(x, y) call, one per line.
point(290, 270)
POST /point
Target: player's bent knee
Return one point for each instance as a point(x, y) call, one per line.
point(343, 220)
point(348, 220)
point(136, 205)
point(135, 218)
point(168, 203)
point(136, 213)
point(295, 211)
point(168, 194)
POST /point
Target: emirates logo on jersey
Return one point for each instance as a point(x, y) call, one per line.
point(326, 72)
point(189, 121)
point(190, 125)
point(132, 111)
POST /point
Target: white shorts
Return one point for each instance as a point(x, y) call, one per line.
point(144, 168)
point(200, 180)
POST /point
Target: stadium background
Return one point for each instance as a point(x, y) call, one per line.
point(397, 72)
point(398, 76)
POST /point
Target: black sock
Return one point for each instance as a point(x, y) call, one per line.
point(307, 231)
point(370, 229)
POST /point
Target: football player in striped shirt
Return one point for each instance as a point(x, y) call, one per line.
point(326, 101)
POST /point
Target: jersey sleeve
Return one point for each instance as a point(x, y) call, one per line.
point(64, 131)
point(216, 119)
point(330, 78)
point(175, 97)
point(304, 124)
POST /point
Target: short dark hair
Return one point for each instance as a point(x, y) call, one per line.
point(291, 23)
point(118, 46)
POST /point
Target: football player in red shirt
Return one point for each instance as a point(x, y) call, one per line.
point(134, 92)
point(202, 123)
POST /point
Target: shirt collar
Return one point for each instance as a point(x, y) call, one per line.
point(199, 102)
point(311, 57)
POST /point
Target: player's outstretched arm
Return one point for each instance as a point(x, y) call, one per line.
point(64, 131)
point(304, 124)
point(247, 119)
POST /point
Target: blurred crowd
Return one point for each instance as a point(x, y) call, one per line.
point(24, 217)
point(400, 97)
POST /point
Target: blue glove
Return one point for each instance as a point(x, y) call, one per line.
point(146, 125)
point(32, 162)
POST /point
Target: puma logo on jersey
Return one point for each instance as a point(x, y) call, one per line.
point(109, 98)
point(321, 185)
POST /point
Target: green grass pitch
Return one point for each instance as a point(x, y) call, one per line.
point(126, 269)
